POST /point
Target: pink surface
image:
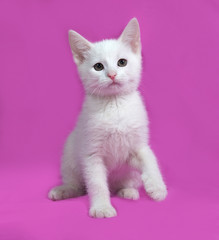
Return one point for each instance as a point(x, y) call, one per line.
point(41, 96)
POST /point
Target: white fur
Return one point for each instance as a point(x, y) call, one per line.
point(108, 150)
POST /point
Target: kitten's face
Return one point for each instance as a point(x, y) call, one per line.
point(109, 67)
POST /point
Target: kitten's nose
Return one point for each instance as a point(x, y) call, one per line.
point(112, 75)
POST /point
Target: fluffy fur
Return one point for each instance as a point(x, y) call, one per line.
point(108, 150)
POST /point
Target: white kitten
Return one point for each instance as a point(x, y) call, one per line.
point(108, 151)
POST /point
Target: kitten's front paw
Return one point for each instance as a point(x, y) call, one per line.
point(156, 189)
point(103, 211)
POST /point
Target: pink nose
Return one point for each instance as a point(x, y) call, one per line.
point(112, 76)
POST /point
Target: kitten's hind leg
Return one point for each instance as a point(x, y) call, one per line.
point(128, 193)
point(72, 185)
point(64, 191)
point(125, 183)
point(72, 181)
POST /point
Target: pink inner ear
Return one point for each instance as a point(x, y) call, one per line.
point(79, 46)
point(131, 35)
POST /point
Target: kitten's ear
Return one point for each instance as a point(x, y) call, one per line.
point(79, 46)
point(131, 35)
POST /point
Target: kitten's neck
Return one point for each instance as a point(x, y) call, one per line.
point(111, 97)
point(97, 102)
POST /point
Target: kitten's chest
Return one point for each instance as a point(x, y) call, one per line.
point(121, 118)
point(115, 117)
point(116, 128)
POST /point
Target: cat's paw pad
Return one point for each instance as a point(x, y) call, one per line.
point(129, 193)
point(105, 211)
point(61, 192)
point(156, 189)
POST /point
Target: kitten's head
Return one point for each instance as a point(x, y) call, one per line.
point(109, 67)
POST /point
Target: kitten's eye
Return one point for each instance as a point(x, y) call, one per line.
point(98, 66)
point(122, 62)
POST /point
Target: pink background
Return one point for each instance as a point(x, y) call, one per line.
point(41, 96)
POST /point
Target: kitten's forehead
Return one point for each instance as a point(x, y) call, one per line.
point(108, 49)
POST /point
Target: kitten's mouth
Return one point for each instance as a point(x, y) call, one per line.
point(114, 84)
